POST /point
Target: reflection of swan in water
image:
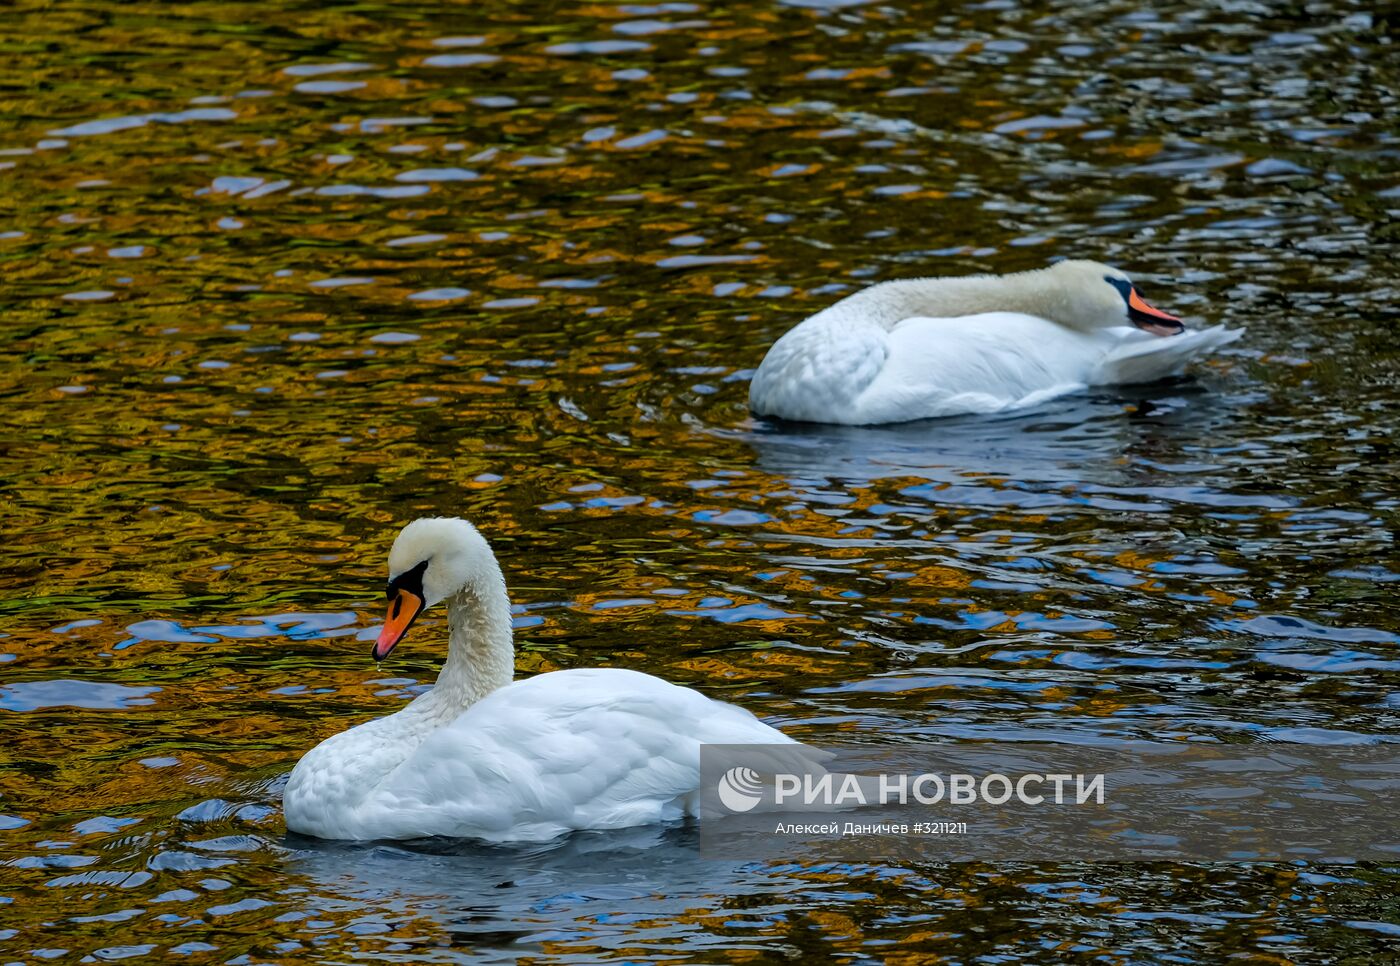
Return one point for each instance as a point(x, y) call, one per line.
point(1060, 441)
point(1094, 448)
point(588, 890)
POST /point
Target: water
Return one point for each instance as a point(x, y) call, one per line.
point(282, 276)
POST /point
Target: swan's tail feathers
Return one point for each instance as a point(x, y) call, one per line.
point(1146, 360)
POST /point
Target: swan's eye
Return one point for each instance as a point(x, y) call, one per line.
point(410, 580)
point(1124, 287)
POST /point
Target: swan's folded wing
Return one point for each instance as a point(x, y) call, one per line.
point(975, 364)
point(598, 748)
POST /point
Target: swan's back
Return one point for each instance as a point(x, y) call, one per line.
point(923, 368)
point(592, 748)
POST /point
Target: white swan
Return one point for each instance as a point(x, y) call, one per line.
point(925, 347)
point(481, 757)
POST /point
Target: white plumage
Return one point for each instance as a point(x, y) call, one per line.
point(481, 757)
point(931, 347)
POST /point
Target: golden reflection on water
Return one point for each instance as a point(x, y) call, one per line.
point(279, 277)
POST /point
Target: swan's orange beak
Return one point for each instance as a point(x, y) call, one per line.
point(404, 607)
point(1151, 319)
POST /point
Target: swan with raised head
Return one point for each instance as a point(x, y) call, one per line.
point(925, 347)
point(480, 756)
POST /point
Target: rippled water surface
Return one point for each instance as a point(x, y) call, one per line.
point(279, 276)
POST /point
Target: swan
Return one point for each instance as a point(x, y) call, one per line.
point(925, 347)
point(480, 756)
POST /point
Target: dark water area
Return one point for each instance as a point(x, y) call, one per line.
point(279, 277)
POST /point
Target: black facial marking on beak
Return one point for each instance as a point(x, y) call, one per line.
point(406, 600)
point(410, 580)
point(1142, 315)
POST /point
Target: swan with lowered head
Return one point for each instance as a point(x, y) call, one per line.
point(480, 756)
point(919, 348)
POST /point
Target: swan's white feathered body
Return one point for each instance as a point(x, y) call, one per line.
point(481, 757)
point(587, 749)
point(943, 346)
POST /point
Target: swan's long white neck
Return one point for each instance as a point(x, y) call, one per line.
point(480, 652)
point(1031, 293)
